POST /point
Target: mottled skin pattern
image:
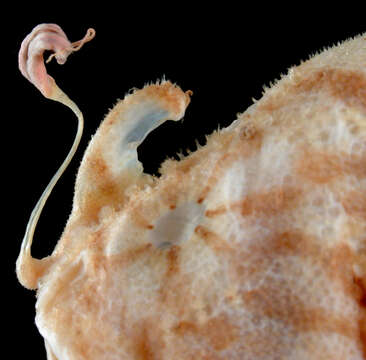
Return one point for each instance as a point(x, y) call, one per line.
point(251, 248)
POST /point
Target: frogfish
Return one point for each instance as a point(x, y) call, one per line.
point(253, 247)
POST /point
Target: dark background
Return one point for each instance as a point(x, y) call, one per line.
point(224, 57)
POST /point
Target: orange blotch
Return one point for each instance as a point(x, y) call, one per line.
point(267, 203)
point(222, 209)
point(271, 202)
point(354, 203)
point(219, 332)
point(338, 263)
point(173, 262)
point(318, 167)
point(322, 167)
point(129, 256)
point(269, 302)
point(361, 290)
point(212, 240)
point(148, 341)
point(346, 85)
point(142, 346)
point(359, 286)
point(104, 191)
point(292, 243)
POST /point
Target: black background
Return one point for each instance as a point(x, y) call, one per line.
point(224, 55)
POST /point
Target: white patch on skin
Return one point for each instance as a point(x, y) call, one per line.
point(176, 226)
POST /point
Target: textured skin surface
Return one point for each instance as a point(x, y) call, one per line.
point(253, 247)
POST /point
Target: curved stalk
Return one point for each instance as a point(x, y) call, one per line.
point(45, 37)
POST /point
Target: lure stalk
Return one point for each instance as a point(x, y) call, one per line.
point(45, 37)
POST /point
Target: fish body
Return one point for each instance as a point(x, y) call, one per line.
point(253, 247)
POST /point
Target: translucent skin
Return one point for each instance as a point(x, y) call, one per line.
point(253, 247)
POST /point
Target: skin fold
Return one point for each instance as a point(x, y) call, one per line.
point(252, 248)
